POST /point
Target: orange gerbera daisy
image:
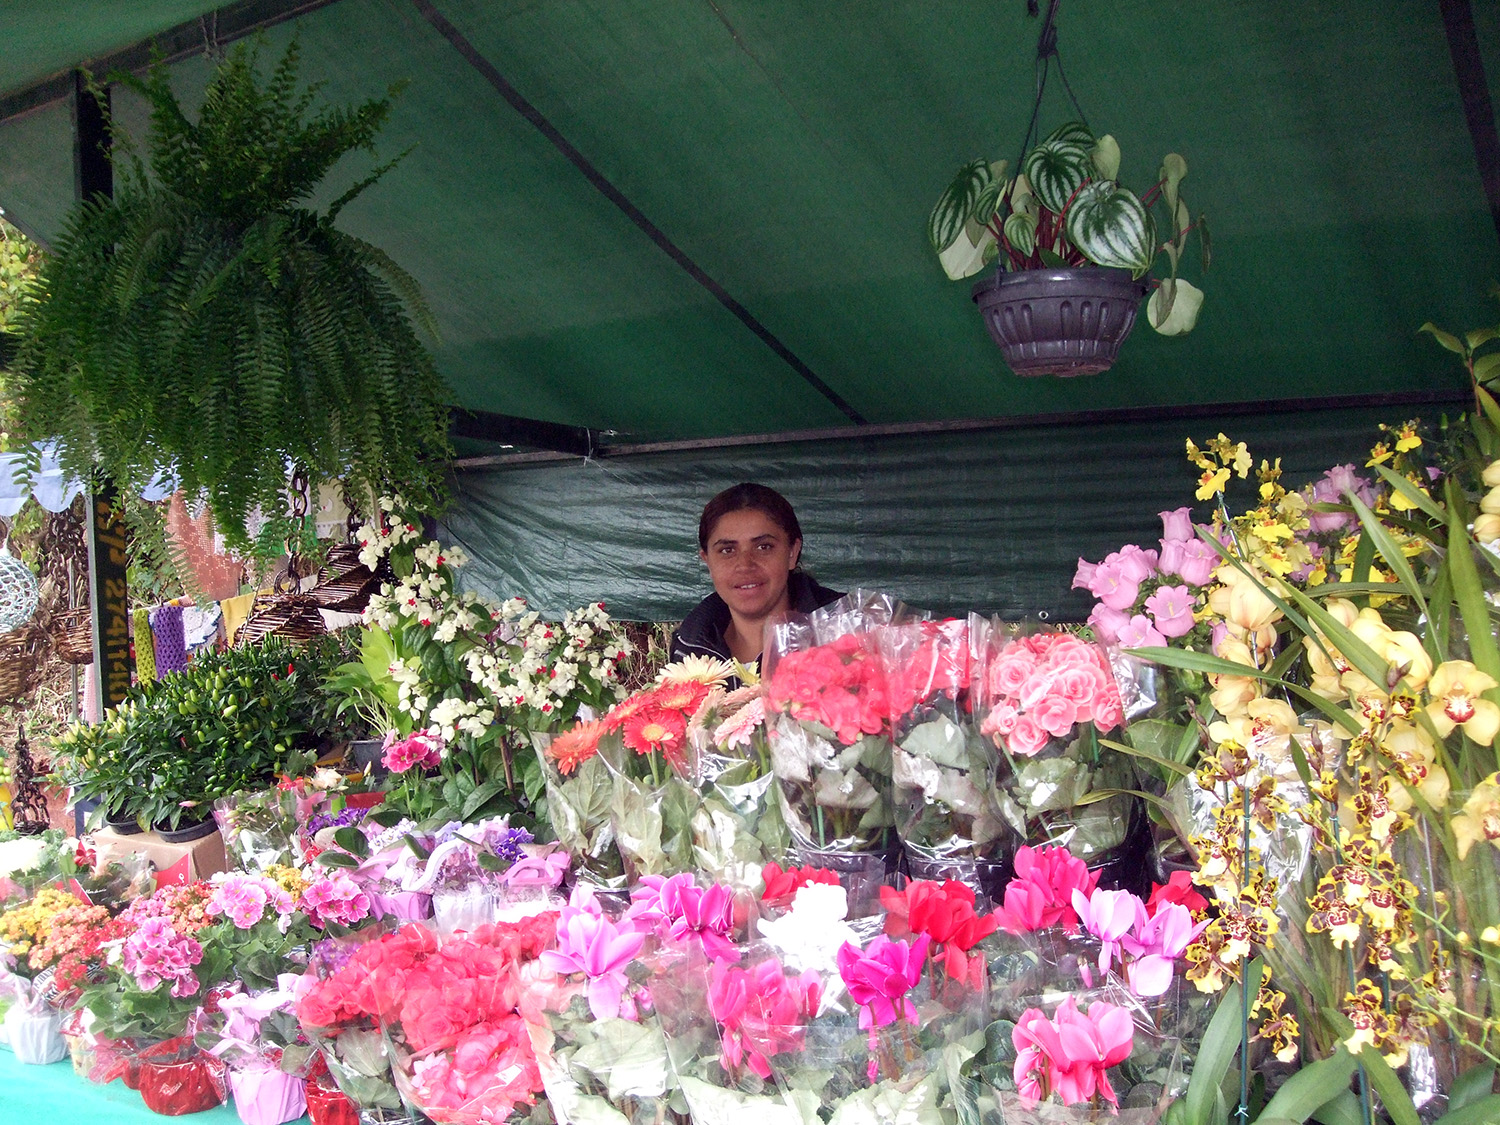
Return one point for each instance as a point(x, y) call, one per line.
point(684, 696)
point(576, 746)
point(657, 730)
point(622, 712)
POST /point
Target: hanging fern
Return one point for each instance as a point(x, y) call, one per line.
point(207, 321)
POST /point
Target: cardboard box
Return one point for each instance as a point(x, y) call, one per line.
point(185, 862)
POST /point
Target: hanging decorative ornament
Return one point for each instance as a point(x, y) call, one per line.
point(18, 588)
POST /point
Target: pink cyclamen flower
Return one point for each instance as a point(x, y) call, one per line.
point(1171, 608)
point(591, 944)
point(1070, 1054)
point(1154, 944)
point(680, 910)
point(1108, 915)
point(335, 898)
point(879, 978)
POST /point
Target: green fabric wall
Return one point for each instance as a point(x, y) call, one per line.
point(988, 520)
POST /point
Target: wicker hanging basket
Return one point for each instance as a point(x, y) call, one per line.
point(345, 584)
point(73, 636)
point(284, 612)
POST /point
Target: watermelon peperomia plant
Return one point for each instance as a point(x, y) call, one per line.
point(1065, 209)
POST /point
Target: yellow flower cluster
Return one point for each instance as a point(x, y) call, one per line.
point(288, 879)
point(1487, 523)
point(24, 926)
point(1218, 459)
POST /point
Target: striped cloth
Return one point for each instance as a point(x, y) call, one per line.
point(166, 632)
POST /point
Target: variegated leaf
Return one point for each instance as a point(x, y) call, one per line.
point(957, 203)
point(1020, 231)
point(1173, 169)
point(1071, 133)
point(966, 255)
point(1057, 169)
point(1111, 227)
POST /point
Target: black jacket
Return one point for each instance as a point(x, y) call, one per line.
point(702, 632)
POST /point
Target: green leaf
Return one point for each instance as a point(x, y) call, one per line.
point(1486, 367)
point(1173, 169)
point(476, 800)
point(1471, 1085)
point(1480, 337)
point(1051, 258)
point(1485, 1111)
point(337, 859)
point(1312, 1087)
point(1393, 557)
point(1412, 492)
point(1447, 339)
point(1166, 764)
point(1106, 157)
point(1467, 590)
point(1181, 317)
point(1388, 1085)
point(1341, 1109)
point(352, 840)
point(1221, 1043)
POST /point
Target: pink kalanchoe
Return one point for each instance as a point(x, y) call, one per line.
point(591, 944)
point(335, 898)
point(420, 750)
point(1041, 894)
point(1171, 609)
point(1070, 1054)
point(156, 953)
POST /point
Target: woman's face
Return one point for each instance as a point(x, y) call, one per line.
point(749, 558)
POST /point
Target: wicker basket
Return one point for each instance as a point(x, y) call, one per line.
point(345, 584)
point(23, 658)
point(73, 636)
point(293, 617)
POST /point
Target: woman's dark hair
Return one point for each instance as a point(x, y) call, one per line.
point(748, 497)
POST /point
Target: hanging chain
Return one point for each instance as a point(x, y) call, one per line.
point(299, 516)
point(352, 520)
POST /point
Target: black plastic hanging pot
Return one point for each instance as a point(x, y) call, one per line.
point(1060, 321)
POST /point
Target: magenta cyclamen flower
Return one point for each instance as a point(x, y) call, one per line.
point(1041, 894)
point(879, 978)
point(1071, 1054)
point(591, 944)
point(680, 909)
point(156, 953)
point(762, 1012)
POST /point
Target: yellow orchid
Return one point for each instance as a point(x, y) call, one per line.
point(1264, 728)
point(1480, 819)
point(1491, 475)
point(1487, 527)
point(1407, 439)
point(1401, 650)
point(1379, 455)
point(1231, 693)
point(1211, 483)
point(1490, 503)
point(1242, 603)
point(1456, 688)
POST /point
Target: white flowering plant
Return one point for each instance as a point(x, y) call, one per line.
point(474, 677)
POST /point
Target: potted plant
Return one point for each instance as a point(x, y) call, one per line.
point(207, 321)
point(1072, 249)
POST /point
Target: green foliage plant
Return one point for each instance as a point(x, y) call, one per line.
point(208, 321)
point(1065, 209)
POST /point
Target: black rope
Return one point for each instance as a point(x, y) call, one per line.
point(1046, 50)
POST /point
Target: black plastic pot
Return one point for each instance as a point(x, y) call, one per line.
point(121, 825)
point(187, 831)
point(1062, 321)
point(366, 753)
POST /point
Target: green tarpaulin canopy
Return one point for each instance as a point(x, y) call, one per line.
point(674, 220)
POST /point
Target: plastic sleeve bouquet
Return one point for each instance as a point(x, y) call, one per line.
point(948, 805)
point(257, 1035)
point(828, 717)
point(1046, 699)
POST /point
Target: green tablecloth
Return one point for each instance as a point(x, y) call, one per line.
point(54, 1095)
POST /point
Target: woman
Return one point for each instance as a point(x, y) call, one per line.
point(750, 539)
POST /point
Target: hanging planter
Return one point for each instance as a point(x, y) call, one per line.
point(1059, 321)
point(1072, 248)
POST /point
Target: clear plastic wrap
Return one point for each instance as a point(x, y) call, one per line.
point(828, 719)
point(1046, 700)
point(949, 812)
point(580, 797)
